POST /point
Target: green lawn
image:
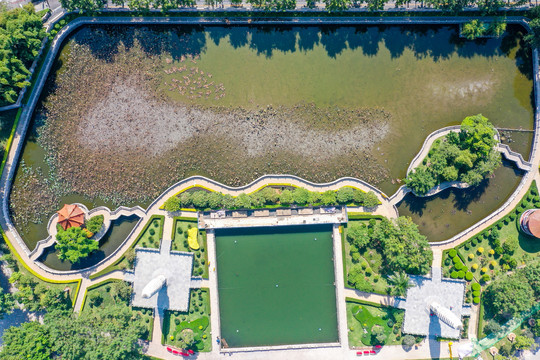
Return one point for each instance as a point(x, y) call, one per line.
point(143, 240)
point(363, 316)
point(371, 261)
point(200, 258)
point(152, 235)
point(104, 291)
point(198, 316)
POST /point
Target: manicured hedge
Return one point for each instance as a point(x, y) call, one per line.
point(469, 276)
point(452, 253)
point(476, 287)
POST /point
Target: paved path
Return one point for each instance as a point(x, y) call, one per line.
point(385, 300)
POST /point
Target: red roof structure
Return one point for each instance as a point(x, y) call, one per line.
point(70, 215)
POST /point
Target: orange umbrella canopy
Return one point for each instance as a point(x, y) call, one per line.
point(70, 215)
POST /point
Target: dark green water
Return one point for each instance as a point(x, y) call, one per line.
point(276, 285)
point(118, 232)
point(442, 216)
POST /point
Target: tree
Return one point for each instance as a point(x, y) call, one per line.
point(370, 199)
point(375, 5)
point(403, 247)
point(473, 29)
point(356, 278)
point(300, 196)
point(121, 291)
point(523, 343)
point(510, 245)
point(82, 5)
point(172, 204)
point(328, 198)
point(532, 273)
point(95, 299)
point(73, 245)
point(6, 303)
point(111, 333)
point(21, 34)
point(497, 28)
point(509, 295)
point(95, 223)
point(345, 195)
point(408, 340)
point(28, 341)
point(286, 197)
point(337, 5)
point(270, 194)
point(400, 283)
point(358, 235)
point(420, 180)
point(533, 37)
point(492, 327)
point(199, 199)
point(478, 134)
point(377, 332)
point(214, 200)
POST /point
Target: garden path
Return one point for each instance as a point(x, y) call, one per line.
point(385, 300)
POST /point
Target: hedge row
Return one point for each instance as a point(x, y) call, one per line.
point(270, 197)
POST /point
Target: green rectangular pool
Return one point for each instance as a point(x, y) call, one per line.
point(276, 285)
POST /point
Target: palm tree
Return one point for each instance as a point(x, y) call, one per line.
point(400, 283)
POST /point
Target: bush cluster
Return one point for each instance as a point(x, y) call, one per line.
point(468, 156)
point(202, 200)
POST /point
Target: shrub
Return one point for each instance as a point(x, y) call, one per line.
point(390, 323)
point(475, 266)
point(492, 263)
point(152, 231)
point(452, 253)
point(467, 246)
point(486, 278)
point(476, 300)
point(408, 340)
point(474, 241)
point(510, 245)
point(469, 276)
point(512, 216)
point(471, 256)
point(456, 259)
point(476, 287)
point(483, 270)
point(461, 274)
point(454, 275)
point(491, 252)
point(476, 294)
point(95, 223)
point(492, 327)
point(177, 321)
point(480, 250)
point(499, 250)
point(447, 262)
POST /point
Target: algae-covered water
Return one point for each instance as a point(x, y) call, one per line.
point(276, 285)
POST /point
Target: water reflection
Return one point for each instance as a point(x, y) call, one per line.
point(442, 216)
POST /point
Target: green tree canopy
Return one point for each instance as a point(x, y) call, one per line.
point(73, 245)
point(469, 157)
point(21, 34)
point(509, 295)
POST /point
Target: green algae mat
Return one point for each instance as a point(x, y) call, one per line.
point(276, 285)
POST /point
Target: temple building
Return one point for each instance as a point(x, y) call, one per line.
point(530, 222)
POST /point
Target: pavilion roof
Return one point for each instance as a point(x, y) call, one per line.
point(70, 215)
